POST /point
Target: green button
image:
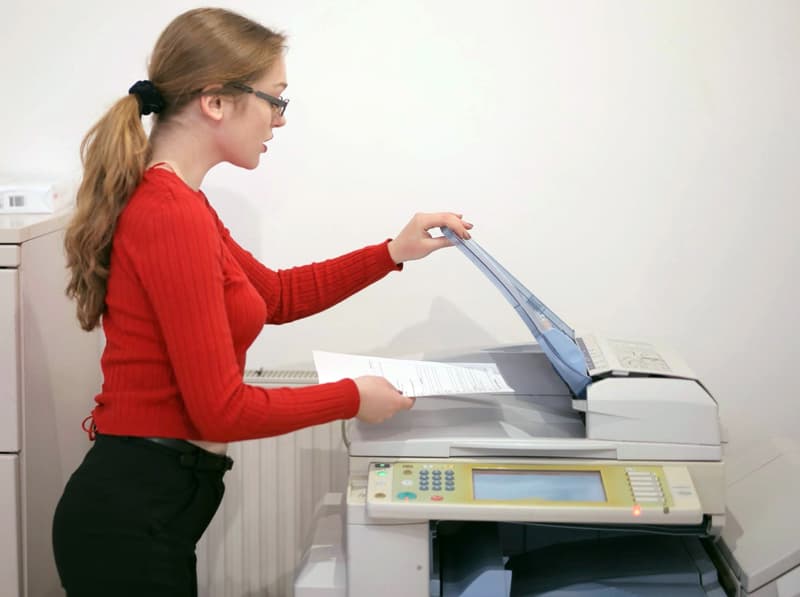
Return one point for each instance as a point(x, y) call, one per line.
point(407, 495)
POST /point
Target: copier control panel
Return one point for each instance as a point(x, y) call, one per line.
point(569, 493)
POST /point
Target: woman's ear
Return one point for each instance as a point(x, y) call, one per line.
point(212, 106)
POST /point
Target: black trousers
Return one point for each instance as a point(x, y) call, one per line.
point(130, 518)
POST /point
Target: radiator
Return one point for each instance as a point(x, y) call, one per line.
point(256, 540)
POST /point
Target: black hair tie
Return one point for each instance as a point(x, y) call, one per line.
point(150, 100)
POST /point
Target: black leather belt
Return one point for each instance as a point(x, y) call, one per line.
point(191, 456)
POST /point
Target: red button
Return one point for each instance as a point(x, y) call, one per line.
point(436, 498)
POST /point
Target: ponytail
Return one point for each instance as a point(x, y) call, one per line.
point(114, 153)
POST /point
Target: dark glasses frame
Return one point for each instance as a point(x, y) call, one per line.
point(279, 103)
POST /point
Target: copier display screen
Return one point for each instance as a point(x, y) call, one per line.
point(554, 486)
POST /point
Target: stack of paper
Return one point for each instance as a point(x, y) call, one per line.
point(414, 378)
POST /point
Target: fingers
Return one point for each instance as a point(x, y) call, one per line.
point(461, 228)
point(406, 402)
point(452, 220)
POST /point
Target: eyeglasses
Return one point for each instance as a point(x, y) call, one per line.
point(279, 103)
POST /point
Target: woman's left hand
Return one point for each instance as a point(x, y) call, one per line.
point(415, 242)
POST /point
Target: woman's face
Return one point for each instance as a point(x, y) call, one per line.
point(252, 119)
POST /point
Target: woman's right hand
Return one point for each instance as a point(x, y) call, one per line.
point(379, 399)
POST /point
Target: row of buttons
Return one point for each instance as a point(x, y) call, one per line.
point(646, 487)
point(425, 485)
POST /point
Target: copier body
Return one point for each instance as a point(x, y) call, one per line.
point(624, 427)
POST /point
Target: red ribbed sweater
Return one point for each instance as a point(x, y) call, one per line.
point(185, 301)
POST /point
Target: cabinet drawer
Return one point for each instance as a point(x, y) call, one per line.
point(9, 361)
point(9, 255)
point(10, 538)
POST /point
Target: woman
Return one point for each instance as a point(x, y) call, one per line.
point(181, 302)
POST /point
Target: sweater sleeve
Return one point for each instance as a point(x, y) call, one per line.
point(177, 254)
point(298, 292)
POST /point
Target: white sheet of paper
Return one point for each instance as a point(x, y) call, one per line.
point(413, 378)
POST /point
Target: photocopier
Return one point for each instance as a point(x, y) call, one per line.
point(601, 474)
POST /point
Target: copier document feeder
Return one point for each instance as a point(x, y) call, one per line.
point(599, 475)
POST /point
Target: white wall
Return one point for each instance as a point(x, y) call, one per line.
point(634, 163)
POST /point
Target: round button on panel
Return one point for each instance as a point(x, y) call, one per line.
point(407, 495)
point(437, 498)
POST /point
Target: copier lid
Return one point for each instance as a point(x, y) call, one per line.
point(761, 537)
point(555, 337)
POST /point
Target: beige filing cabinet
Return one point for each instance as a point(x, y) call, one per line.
point(49, 375)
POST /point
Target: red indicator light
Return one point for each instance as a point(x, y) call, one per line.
point(637, 510)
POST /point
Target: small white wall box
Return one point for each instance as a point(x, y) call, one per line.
point(34, 197)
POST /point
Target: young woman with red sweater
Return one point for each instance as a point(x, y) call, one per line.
point(180, 302)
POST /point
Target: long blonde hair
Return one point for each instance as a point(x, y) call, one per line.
point(199, 48)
